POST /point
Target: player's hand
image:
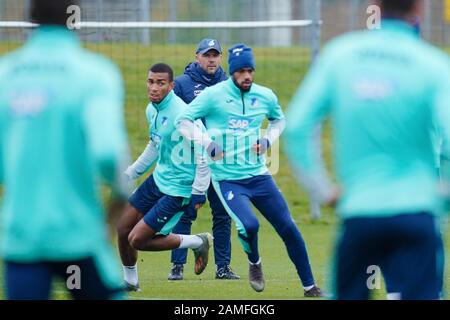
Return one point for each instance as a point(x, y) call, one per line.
point(130, 174)
point(215, 151)
point(261, 146)
point(198, 200)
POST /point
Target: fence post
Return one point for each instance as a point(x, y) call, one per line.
point(172, 17)
point(316, 27)
point(316, 13)
point(145, 17)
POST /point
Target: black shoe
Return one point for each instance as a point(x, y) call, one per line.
point(256, 277)
point(131, 287)
point(176, 273)
point(225, 273)
point(314, 292)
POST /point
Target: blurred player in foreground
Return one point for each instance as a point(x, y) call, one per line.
point(384, 90)
point(61, 131)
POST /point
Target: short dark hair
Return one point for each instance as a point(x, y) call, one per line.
point(50, 11)
point(397, 7)
point(162, 68)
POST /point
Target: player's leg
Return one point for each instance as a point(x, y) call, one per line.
point(222, 234)
point(140, 202)
point(153, 232)
point(358, 253)
point(413, 262)
point(179, 256)
point(126, 223)
point(167, 211)
point(27, 281)
point(268, 199)
point(235, 200)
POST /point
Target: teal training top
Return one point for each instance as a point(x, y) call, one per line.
point(384, 90)
point(233, 119)
point(175, 170)
point(61, 130)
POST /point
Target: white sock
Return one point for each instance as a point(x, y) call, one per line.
point(308, 287)
point(190, 241)
point(258, 262)
point(130, 274)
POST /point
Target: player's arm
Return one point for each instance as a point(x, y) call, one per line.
point(144, 162)
point(310, 105)
point(277, 124)
point(1, 155)
point(441, 115)
point(2, 137)
point(105, 130)
point(185, 123)
point(202, 175)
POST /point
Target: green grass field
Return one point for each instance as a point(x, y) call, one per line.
point(281, 70)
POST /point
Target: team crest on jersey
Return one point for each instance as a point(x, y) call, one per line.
point(164, 121)
point(254, 102)
point(239, 123)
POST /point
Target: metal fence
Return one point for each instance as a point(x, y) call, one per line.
point(185, 10)
point(338, 16)
point(341, 16)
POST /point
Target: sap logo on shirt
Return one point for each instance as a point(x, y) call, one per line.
point(239, 123)
point(197, 92)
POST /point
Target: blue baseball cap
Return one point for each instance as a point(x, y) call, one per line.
point(208, 44)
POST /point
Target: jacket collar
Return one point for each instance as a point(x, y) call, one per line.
point(235, 89)
point(54, 36)
point(165, 102)
point(398, 25)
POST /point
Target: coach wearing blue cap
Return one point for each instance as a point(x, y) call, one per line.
point(204, 72)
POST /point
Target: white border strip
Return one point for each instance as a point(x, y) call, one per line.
point(172, 25)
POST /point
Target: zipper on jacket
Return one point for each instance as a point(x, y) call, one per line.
point(156, 120)
point(243, 103)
